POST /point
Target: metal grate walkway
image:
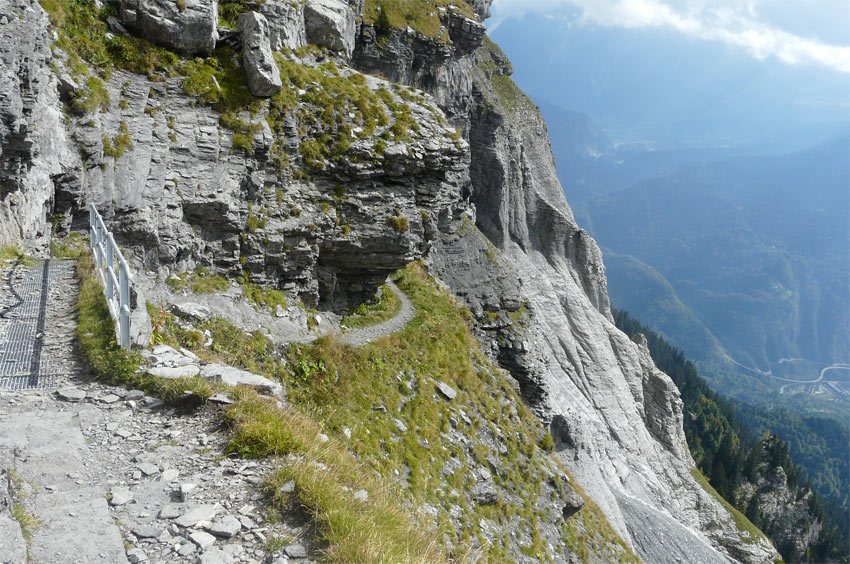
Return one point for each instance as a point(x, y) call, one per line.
point(32, 354)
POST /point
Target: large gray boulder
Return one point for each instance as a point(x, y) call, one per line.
point(330, 23)
point(187, 26)
point(286, 24)
point(262, 72)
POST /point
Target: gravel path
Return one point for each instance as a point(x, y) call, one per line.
point(361, 336)
point(113, 476)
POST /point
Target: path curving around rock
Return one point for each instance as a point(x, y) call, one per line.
point(364, 335)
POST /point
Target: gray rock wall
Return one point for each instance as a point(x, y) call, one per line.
point(33, 142)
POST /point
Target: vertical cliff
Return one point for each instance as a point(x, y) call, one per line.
point(385, 144)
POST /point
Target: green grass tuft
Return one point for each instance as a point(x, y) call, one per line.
point(199, 281)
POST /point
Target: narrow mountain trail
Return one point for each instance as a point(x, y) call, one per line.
point(364, 335)
point(288, 326)
point(95, 474)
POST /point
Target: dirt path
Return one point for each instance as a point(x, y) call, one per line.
point(361, 336)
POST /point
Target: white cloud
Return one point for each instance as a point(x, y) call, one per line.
point(733, 22)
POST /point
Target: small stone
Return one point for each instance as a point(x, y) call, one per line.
point(169, 475)
point(226, 527)
point(202, 539)
point(135, 555)
point(123, 433)
point(400, 425)
point(446, 390)
point(214, 556)
point(279, 311)
point(347, 432)
point(134, 395)
point(169, 512)
point(281, 560)
point(108, 399)
point(120, 496)
point(361, 495)
point(221, 399)
point(148, 469)
point(186, 549)
point(197, 514)
point(71, 394)
point(186, 491)
point(322, 438)
point(288, 487)
point(295, 551)
point(247, 522)
point(146, 531)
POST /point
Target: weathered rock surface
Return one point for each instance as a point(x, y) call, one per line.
point(188, 26)
point(257, 58)
point(616, 420)
point(330, 23)
point(34, 149)
point(286, 23)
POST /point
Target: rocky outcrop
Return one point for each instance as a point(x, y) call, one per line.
point(187, 26)
point(781, 508)
point(257, 58)
point(33, 142)
point(286, 23)
point(330, 23)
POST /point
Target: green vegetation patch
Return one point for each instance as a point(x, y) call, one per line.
point(112, 364)
point(331, 100)
point(262, 297)
point(73, 246)
point(199, 281)
point(364, 390)
point(751, 533)
point(386, 305)
point(421, 15)
point(11, 252)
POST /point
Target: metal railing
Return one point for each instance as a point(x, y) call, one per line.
point(116, 288)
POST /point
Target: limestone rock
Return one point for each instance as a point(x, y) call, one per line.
point(191, 311)
point(189, 26)
point(235, 377)
point(286, 23)
point(447, 391)
point(330, 23)
point(257, 59)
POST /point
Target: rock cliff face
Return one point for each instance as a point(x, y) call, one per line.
point(341, 178)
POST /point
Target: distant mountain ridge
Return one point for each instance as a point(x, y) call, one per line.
point(745, 258)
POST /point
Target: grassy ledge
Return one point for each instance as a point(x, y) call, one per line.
point(385, 306)
point(199, 281)
point(750, 534)
point(421, 15)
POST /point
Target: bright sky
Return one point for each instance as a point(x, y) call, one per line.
point(792, 31)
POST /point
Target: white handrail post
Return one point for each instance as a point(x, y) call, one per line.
point(106, 254)
point(124, 303)
point(110, 290)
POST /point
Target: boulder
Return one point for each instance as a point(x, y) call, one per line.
point(260, 68)
point(286, 24)
point(330, 23)
point(186, 26)
point(235, 377)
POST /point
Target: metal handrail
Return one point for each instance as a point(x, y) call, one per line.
point(116, 288)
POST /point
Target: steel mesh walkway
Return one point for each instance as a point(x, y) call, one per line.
point(34, 349)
